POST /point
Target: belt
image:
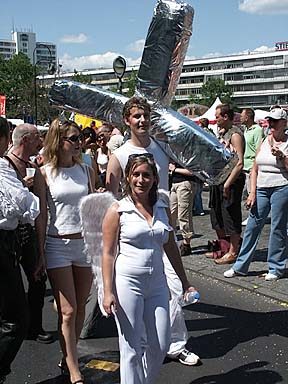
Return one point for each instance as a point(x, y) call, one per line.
point(69, 236)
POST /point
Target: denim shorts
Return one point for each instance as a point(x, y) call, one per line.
point(65, 252)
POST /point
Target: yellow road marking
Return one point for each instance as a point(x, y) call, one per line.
point(104, 365)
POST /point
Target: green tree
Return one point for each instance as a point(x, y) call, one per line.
point(80, 78)
point(131, 83)
point(213, 88)
point(17, 83)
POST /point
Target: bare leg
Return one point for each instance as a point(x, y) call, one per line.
point(234, 244)
point(220, 233)
point(82, 282)
point(65, 293)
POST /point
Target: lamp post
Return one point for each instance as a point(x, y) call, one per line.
point(51, 70)
point(119, 67)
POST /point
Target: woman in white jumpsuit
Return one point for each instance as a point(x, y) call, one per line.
point(138, 230)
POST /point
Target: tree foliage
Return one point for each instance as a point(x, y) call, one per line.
point(131, 83)
point(213, 88)
point(17, 83)
point(81, 78)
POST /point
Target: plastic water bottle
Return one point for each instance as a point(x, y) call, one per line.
point(191, 298)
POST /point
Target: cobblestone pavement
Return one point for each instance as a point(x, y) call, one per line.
point(197, 262)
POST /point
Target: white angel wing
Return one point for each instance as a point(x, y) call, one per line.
point(92, 211)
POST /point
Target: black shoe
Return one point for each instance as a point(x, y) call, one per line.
point(185, 249)
point(41, 336)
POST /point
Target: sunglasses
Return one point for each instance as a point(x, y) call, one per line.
point(146, 155)
point(73, 138)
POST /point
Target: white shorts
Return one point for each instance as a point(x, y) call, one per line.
point(65, 252)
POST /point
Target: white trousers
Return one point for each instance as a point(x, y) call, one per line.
point(142, 297)
point(179, 333)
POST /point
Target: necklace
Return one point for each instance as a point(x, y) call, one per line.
point(23, 161)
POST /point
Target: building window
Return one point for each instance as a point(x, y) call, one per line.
point(24, 37)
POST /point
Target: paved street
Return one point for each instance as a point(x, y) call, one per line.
point(238, 329)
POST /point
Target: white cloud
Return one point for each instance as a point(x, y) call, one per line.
point(93, 62)
point(262, 48)
point(137, 46)
point(212, 54)
point(264, 7)
point(74, 39)
point(106, 59)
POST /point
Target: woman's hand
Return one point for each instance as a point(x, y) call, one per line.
point(109, 303)
point(40, 269)
point(277, 152)
point(251, 199)
point(190, 288)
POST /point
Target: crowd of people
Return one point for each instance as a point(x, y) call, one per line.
point(143, 275)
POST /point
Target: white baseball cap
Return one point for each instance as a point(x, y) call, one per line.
point(277, 114)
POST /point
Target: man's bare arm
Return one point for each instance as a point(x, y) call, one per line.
point(113, 175)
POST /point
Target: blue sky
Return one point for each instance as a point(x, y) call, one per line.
point(91, 33)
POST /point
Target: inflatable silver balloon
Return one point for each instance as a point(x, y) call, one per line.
point(164, 51)
point(159, 73)
point(87, 100)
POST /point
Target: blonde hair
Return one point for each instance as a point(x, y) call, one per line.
point(52, 143)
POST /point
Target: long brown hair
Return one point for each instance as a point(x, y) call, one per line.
point(133, 162)
point(52, 143)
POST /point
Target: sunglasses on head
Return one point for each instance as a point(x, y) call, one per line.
point(74, 138)
point(146, 155)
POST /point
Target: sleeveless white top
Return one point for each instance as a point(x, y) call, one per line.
point(141, 244)
point(271, 170)
point(102, 160)
point(161, 159)
point(65, 190)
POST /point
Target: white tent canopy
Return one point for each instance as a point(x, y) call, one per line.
point(260, 114)
point(210, 114)
point(16, 122)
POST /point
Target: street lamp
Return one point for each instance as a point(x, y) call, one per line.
point(119, 67)
point(50, 68)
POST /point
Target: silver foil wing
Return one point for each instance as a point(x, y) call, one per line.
point(88, 100)
point(191, 146)
point(182, 139)
point(164, 51)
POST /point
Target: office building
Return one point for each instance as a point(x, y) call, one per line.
point(40, 53)
point(257, 79)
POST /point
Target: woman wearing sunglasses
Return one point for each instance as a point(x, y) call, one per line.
point(69, 273)
point(136, 231)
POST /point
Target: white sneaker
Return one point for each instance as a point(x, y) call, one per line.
point(188, 358)
point(271, 277)
point(244, 222)
point(230, 273)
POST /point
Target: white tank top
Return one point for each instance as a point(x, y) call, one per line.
point(161, 159)
point(65, 190)
point(102, 160)
point(271, 171)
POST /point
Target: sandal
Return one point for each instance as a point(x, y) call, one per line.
point(63, 366)
point(79, 381)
